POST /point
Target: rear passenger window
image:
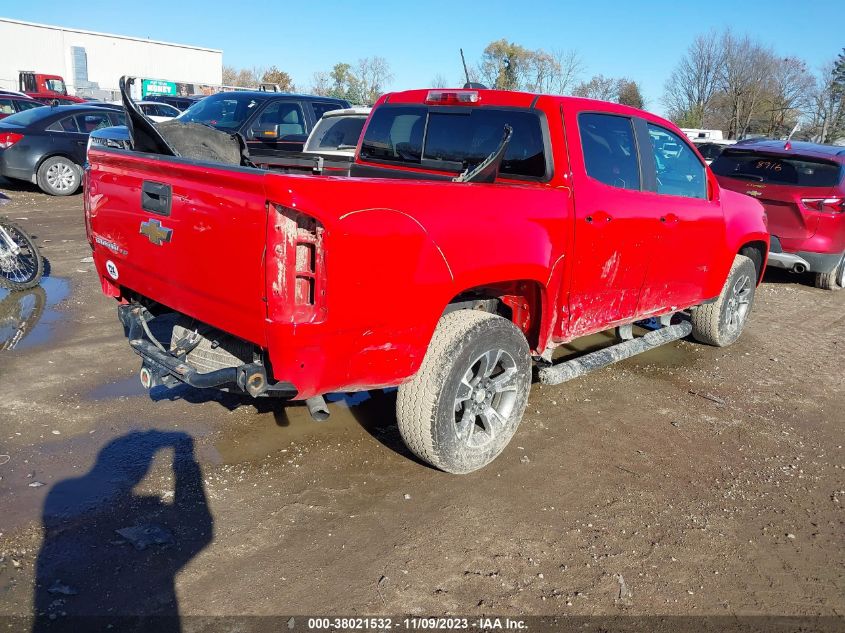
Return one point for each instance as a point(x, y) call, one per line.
point(68, 124)
point(679, 171)
point(610, 149)
point(6, 106)
point(320, 108)
point(28, 104)
point(395, 134)
point(89, 122)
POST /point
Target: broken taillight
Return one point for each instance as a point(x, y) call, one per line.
point(826, 205)
point(296, 271)
point(7, 139)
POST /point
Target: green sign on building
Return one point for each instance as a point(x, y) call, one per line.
point(157, 87)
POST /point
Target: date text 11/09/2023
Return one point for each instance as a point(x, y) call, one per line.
point(417, 623)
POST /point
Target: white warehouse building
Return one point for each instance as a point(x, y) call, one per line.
point(92, 63)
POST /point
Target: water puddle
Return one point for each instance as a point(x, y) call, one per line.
point(277, 425)
point(29, 318)
point(130, 387)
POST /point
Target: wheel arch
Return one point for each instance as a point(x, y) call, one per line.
point(757, 252)
point(520, 301)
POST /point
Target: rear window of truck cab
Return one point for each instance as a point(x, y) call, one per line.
point(777, 170)
point(455, 138)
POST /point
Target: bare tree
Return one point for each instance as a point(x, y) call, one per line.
point(599, 87)
point(440, 81)
point(230, 75)
point(373, 74)
point(541, 71)
point(241, 77)
point(826, 121)
point(788, 97)
point(569, 67)
point(743, 79)
point(689, 91)
point(321, 84)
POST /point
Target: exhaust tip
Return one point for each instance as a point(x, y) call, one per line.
point(318, 408)
point(799, 268)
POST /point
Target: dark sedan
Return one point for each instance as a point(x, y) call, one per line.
point(12, 104)
point(46, 146)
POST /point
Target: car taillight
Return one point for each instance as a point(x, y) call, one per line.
point(7, 139)
point(827, 205)
point(453, 97)
point(295, 266)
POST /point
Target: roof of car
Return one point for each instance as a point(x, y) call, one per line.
point(15, 95)
point(70, 109)
point(798, 148)
point(357, 110)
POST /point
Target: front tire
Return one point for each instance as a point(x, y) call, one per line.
point(24, 270)
point(466, 401)
point(59, 176)
point(720, 323)
point(835, 279)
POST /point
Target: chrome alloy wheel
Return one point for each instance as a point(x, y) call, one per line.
point(739, 303)
point(486, 398)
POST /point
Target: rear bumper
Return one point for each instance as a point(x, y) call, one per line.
point(801, 261)
point(160, 367)
point(15, 166)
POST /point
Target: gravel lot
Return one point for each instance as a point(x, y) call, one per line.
point(688, 481)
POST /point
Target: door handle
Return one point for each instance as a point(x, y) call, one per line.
point(599, 217)
point(156, 197)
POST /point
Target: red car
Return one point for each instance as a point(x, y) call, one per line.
point(478, 231)
point(12, 104)
point(802, 188)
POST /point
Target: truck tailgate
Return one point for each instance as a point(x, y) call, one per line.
point(204, 256)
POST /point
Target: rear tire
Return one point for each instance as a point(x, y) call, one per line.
point(59, 176)
point(466, 401)
point(835, 279)
point(720, 323)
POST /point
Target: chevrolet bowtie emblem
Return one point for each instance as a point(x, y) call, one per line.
point(756, 194)
point(155, 232)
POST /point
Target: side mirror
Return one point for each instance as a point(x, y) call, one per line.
point(265, 132)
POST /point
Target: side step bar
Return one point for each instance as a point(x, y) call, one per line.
point(567, 370)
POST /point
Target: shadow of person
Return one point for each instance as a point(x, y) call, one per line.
point(110, 554)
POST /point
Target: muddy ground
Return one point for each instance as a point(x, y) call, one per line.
point(687, 481)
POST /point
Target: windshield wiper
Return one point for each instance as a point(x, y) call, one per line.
point(488, 169)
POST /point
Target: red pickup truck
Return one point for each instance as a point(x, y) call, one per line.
point(478, 231)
